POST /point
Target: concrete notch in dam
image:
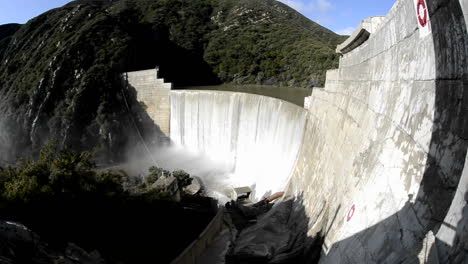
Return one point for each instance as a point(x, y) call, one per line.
point(377, 165)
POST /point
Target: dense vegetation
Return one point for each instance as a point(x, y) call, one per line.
point(6, 31)
point(59, 73)
point(63, 198)
point(60, 80)
point(269, 43)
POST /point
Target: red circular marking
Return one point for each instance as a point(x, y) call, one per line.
point(351, 213)
point(422, 18)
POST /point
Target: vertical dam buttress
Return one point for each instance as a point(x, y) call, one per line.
point(154, 96)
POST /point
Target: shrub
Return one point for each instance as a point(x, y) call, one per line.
point(154, 174)
point(183, 178)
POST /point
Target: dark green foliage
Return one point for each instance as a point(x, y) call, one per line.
point(56, 174)
point(110, 184)
point(60, 73)
point(154, 174)
point(269, 44)
point(183, 178)
point(69, 174)
point(64, 199)
point(8, 29)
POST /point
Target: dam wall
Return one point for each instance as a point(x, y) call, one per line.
point(361, 34)
point(464, 6)
point(154, 96)
point(256, 137)
point(379, 161)
point(388, 137)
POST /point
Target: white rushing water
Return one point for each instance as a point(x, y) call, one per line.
point(256, 138)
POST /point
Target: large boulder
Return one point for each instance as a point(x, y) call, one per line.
point(195, 187)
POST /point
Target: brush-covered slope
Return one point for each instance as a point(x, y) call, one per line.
point(59, 73)
point(6, 31)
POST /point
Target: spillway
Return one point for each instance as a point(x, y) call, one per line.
point(378, 163)
point(257, 137)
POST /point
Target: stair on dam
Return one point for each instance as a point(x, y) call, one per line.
point(153, 94)
point(382, 168)
point(377, 164)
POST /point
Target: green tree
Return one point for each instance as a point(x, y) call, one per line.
point(110, 183)
point(154, 174)
point(183, 178)
point(72, 172)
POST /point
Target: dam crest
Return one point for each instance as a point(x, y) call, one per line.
point(378, 162)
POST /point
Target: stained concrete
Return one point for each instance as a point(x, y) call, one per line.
point(361, 34)
point(388, 137)
point(381, 169)
point(153, 95)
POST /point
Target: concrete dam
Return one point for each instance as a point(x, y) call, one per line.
point(378, 163)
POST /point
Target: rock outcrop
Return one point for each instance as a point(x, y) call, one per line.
point(18, 244)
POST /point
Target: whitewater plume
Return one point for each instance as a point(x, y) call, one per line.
point(255, 138)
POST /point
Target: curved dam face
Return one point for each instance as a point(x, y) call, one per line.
point(378, 163)
point(388, 138)
point(257, 138)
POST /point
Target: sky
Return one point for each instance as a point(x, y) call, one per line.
point(341, 16)
point(20, 11)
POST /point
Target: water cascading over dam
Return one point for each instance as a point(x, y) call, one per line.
point(257, 137)
point(378, 163)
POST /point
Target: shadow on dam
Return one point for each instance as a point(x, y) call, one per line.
point(436, 145)
point(279, 236)
point(144, 130)
point(410, 235)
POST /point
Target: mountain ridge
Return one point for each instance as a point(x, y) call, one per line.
point(60, 72)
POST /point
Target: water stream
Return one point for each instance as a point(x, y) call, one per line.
point(256, 138)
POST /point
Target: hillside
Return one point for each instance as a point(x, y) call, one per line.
point(6, 31)
point(59, 73)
